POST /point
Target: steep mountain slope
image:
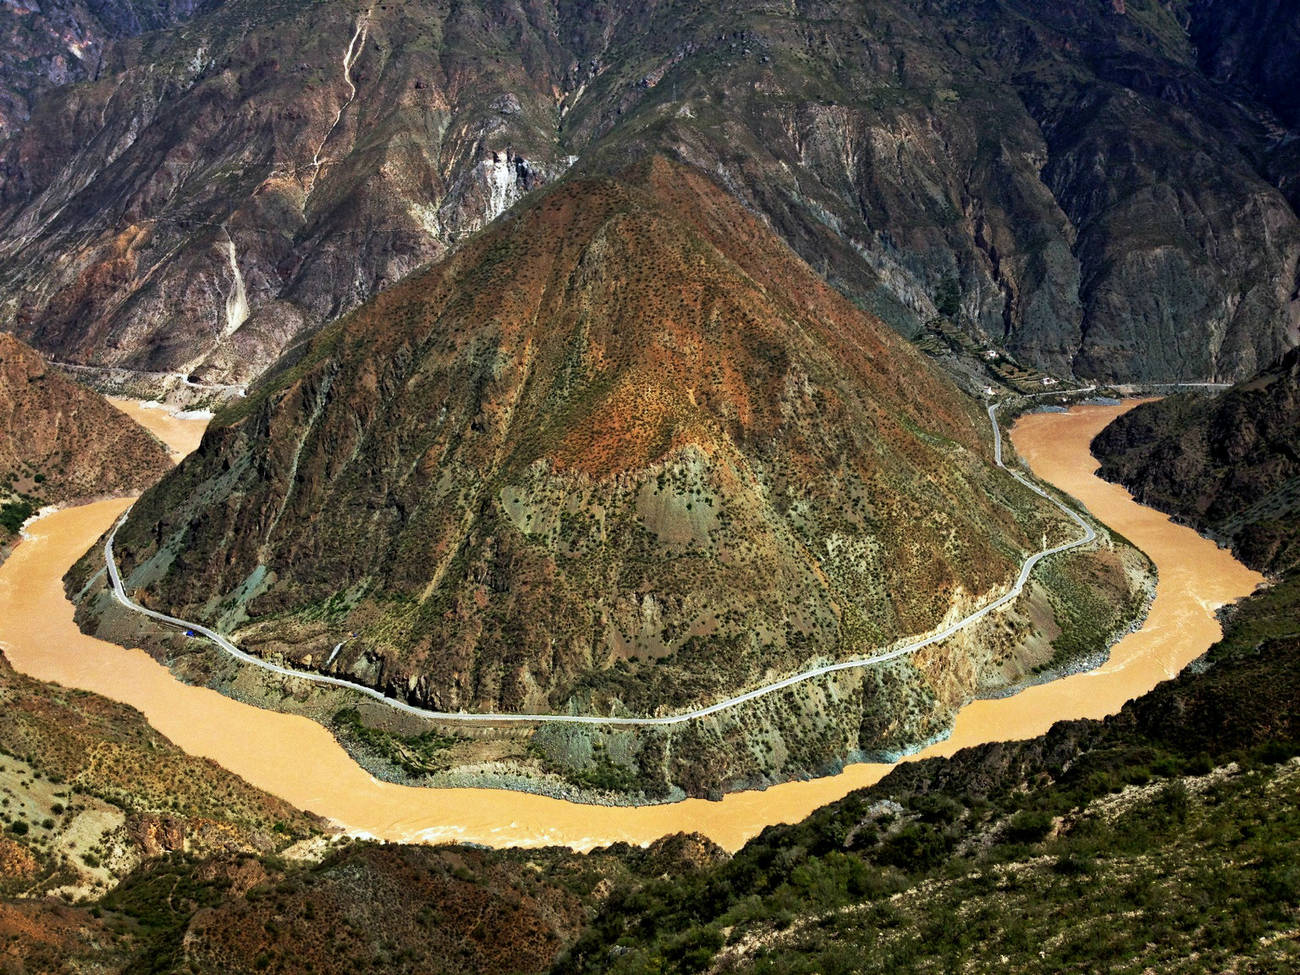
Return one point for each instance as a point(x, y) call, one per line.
point(1091, 184)
point(1250, 45)
point(622, 450)
point(64, 442)
point(219, 190)
point(1130, 838)
point(60, 442)
point(1228, 465)
point(1042, 169)
point(58, 42)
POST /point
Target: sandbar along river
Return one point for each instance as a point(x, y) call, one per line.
point(298, 760)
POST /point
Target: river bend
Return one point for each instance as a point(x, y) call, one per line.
point(299, 760)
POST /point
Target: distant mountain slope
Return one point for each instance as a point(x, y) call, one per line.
point(624, 446)
point(1251, 44)
point(51, 43)
point(62, 441)
point(1103, 187)
point(1228, 465)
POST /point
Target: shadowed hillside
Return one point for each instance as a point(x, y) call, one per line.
point(1228, 465)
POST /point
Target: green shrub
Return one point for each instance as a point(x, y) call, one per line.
point(947, 299)
point(1028, 826)
point(14, 513)
point(915, 847)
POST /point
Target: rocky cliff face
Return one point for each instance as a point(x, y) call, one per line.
point(623, 450)
point(47, 44)
point(63, 442)
point(1096, 186)
point(1228, 465)
point(1248, 49)
point(1251, 45)
point(257, 172)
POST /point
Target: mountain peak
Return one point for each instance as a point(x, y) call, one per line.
point(623, 423)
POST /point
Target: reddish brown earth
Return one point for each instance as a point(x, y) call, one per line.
point(79, 444)
point(625, 445)
point(61, 443)
point(392, 908)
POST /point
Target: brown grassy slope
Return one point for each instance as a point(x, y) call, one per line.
point(89, 754)
point(80, 445)
point(625, 424)
point(401, 909)
point(405, 909)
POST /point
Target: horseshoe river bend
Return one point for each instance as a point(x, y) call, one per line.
point(299, 760)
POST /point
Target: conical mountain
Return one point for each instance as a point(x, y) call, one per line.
point(624, 443)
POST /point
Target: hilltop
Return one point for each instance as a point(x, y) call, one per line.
point(622, 453)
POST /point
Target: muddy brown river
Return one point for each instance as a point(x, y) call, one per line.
point(180, 434)
point(298, 760)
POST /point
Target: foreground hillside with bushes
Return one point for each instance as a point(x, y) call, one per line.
point(1163, 838)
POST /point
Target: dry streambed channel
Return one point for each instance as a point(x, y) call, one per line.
point(297, 759)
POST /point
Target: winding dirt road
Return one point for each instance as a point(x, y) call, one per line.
point(1089, 534)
